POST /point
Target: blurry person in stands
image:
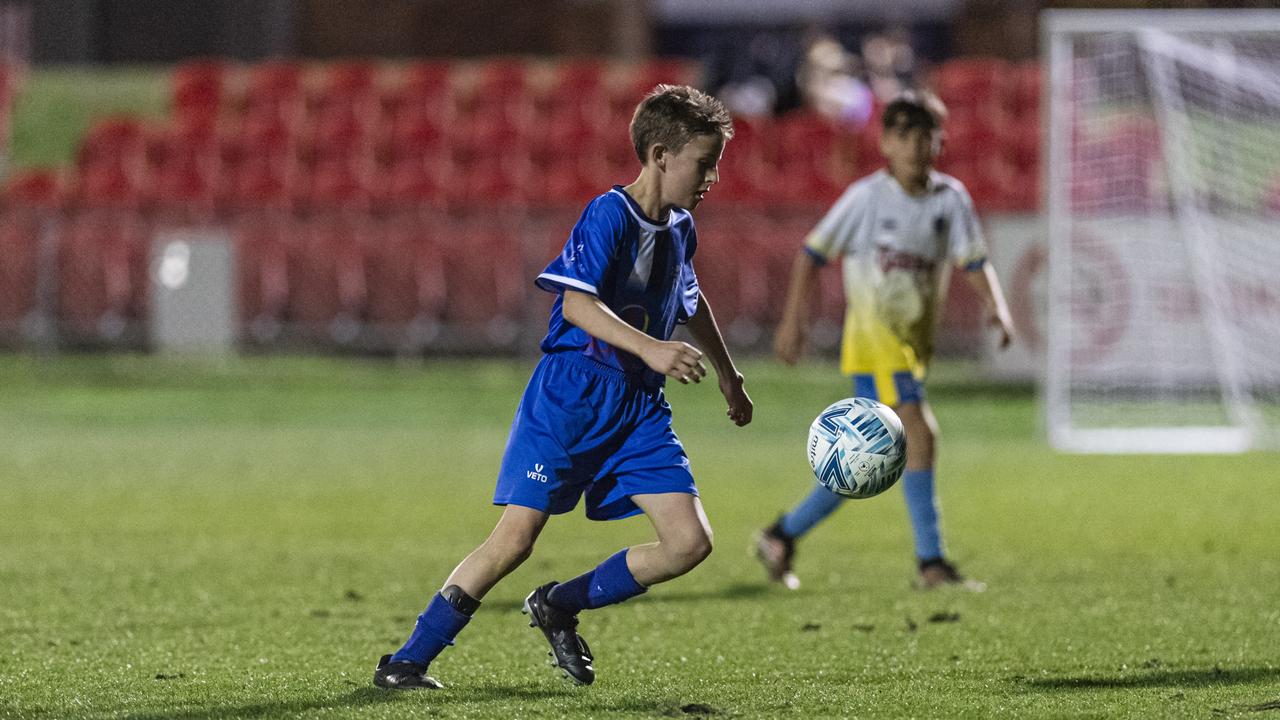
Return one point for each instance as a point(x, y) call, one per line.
point(828, 79)
point(890, 63)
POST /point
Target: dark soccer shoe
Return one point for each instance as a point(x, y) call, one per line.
point(570, 651)
point(776, 551)
point(403, 676)
point(938, 572)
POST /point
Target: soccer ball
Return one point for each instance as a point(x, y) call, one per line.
point(857, 448)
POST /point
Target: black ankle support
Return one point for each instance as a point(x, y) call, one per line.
point(460, 600)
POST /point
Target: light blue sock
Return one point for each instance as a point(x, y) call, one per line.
point(811, 511)
point(917, 487)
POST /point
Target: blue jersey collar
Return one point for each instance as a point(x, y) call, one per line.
point(645, 221)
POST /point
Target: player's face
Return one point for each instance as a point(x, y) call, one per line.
point(690, 173)
point(911, 151)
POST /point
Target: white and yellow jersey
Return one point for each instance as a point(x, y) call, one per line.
point(895, 247)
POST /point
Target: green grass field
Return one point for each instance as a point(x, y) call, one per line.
point(187, 540)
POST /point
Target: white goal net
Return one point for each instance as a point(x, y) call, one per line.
point(1163, 189)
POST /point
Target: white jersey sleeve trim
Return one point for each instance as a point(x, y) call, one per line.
point(568, 282)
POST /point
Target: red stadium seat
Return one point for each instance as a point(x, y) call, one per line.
point(405, 277)
point(184, 167)
point(559, 135)
point(1025, 82)
point(1024, 142)
point(260, 180)
point(197, 89)
point(29, 198)
point(410, 181)
point(42, 188)
point(567, 181)
point(351, 84)
point(746, 168)
point(275, 81)
point(574, 108)
point(486, 136)
point(337, 183)
point(498, 90)
point(627, 85)
point(327, 288)
point(262, 260)
point(811, 166)
point(417, 134)
point(716, 261)
point(490, 180)
point(970, 138)
point(989, 179)
point(115, 184)
point(20, 247)
point(421, 88)
point(971, 81)
point(338, 131)
point(763, 272)
point(112, 140)
point(102, 266)
point(486, 300)
point(1023, 194)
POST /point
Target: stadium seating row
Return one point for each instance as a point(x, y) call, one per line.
point(506, 132)
point(345, 277)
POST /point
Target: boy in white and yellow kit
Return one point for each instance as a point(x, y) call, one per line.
point(896, 231)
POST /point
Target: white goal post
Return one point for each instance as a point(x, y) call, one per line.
point(1163, 198)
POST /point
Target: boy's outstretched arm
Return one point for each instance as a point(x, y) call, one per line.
point(789, 340)
point(702, 326)
point(987, 285)
point(672, 358)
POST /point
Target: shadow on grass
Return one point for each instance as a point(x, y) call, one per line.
point(738, 591)
point(970, 389)
point(361, 697)
point(1156, 679)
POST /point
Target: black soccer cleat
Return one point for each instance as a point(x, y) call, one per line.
point(403, 676)
point(938, 572)
point(568, 649)
point(776, 551)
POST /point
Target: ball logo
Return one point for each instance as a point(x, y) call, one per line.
point(857, 447)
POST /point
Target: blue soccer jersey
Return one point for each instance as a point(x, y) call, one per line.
point(640, 268)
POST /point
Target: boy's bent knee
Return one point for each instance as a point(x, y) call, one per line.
point(688, 553)
point(510, 550)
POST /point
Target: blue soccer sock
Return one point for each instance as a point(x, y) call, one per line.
point(437, 626)
point(917, 486)
point(610, 582)
point(816, 506)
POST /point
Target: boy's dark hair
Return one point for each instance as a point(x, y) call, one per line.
point(914, 109)
point(671, 115)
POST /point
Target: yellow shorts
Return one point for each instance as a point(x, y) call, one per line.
point(883, 367)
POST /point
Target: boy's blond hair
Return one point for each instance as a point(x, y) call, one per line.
point(671, 115)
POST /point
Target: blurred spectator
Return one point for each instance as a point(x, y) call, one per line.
point(752, 81)
point(890, 63)
point(829, 83)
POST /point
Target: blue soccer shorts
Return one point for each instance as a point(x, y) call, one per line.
point(892, 389)
point(583, 427)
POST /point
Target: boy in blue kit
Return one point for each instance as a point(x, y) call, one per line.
point(593, 420)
